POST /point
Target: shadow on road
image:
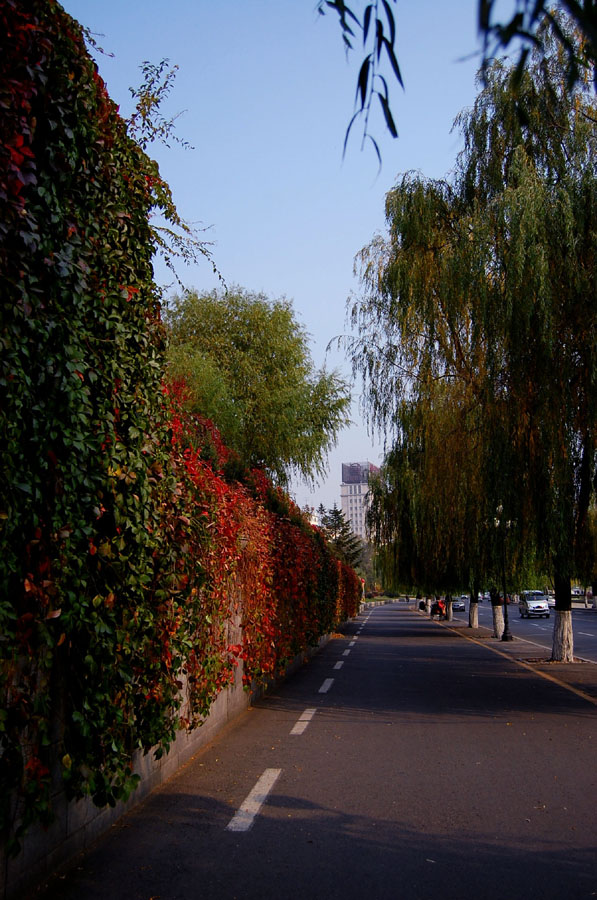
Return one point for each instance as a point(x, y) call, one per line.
point(489, 811)
point(176, 848)
point(414, 668)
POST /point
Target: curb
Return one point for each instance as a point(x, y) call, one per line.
point(522, 663)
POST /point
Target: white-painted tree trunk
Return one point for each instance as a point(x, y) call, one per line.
point(473, 615)
point(498, 621)
point(563, 639)
point(449, 612)
point(428, 605)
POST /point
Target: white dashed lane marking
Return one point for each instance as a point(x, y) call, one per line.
point(339, 664)
point(244, 817)
point(346, 653)
point(326, 685)
point(303, 721)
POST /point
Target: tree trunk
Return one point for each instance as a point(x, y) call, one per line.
point(587, 484)
point(563, 638)
point(473, 615)
point(563, 641)
point(449, 613)
point(498, 620)
point(473, 607)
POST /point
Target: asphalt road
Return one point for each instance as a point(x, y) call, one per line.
point(403, 762)
point(540, 631)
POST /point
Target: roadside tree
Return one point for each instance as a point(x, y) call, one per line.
point(536, 182)
point(247, 365)
point(344, 542)
point(488, 283)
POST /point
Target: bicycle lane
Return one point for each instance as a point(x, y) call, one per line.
point(402, 761)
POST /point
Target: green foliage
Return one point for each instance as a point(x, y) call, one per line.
point(378, 30)
point(539, 306)
point(536, 24)
point(147, 124)
point(119, 536)
point(246, 362)
point(533, 24)
point(172, 238)
point(346, 545)
point(82, 428)
point(476, 341)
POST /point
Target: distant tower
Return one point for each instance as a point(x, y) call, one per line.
point(354, 494)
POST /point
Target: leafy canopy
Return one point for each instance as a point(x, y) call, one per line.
point(478, 316)
point(247, 364)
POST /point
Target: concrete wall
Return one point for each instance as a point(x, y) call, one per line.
point(78, 824)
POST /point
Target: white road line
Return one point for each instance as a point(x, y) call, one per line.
point(346, 652)
point(534, 643)
point(326, 685)
point(352, 643)
point(245, 814)
point(339, 664)
point(303, 721)
point(586, 633)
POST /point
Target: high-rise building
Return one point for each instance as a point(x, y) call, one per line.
point(354, 494)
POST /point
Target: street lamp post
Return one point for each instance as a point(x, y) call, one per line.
point(506, 636)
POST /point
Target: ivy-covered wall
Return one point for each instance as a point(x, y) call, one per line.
point(125, 542)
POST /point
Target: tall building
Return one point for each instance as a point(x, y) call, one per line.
point(354, 494)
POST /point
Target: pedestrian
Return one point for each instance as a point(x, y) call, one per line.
point(438, 609)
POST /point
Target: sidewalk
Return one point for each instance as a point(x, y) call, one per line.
point(579, 677)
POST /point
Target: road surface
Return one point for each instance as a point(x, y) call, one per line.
point(403, 762)
point(540, 631)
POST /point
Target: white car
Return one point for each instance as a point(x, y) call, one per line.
point(533, 603)
point(458, 602)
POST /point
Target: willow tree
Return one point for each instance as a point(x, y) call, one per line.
point(527, 24)
point(424, 510)
point(535, 180)
point(490, 282)
point(422, 353)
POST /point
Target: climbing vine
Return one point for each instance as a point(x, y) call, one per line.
point(130, 556)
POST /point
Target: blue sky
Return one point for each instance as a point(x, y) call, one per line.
point(267, 93)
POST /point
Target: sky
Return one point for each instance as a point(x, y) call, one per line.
point(266, 92)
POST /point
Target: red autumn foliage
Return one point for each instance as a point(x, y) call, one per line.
point(264, 568)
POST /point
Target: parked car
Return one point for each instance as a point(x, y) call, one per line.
point(577, 591)
point(458, 602)
point(533, 603)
